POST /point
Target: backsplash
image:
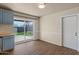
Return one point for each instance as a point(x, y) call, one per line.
point(6, 29)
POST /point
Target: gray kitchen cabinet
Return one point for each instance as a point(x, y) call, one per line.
point(6, 17)
point(0, 44)
point(8, 43)
point(1, 16)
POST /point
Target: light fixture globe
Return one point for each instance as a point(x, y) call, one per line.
point(41, 5)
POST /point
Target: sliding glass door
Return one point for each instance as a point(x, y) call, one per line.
point(23, 30)
point(19, 30)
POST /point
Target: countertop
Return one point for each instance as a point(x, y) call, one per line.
point(4, 34)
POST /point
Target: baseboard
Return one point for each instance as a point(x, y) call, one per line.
point(49, 42)
point(77, 50)
point(37, 39)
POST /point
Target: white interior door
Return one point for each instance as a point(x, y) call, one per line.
point(70, 32)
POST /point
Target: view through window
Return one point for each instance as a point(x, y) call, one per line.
point(23, 30)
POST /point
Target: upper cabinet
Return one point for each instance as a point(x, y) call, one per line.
point(0, 16)
point(6, 17)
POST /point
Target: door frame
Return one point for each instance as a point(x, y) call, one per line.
point(62, 42)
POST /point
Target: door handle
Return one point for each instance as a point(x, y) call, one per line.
point(75, 33)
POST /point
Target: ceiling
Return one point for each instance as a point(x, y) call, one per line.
point(31, 8)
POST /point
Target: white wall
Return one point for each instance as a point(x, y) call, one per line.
point(50, 26)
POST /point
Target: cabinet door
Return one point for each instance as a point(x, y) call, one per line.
point(7, 17)
point(0, 16)
point(8, 43)
point(0, 44)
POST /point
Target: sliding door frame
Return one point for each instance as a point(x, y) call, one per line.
point(25, 39)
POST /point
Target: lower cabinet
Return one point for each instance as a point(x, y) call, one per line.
point(0, 44)
point(7, 43)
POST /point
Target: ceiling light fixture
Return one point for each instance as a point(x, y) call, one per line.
point(41, 5)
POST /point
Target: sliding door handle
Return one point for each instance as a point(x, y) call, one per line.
point(75, 33)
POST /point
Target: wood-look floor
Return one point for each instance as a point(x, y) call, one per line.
point(41, 48)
